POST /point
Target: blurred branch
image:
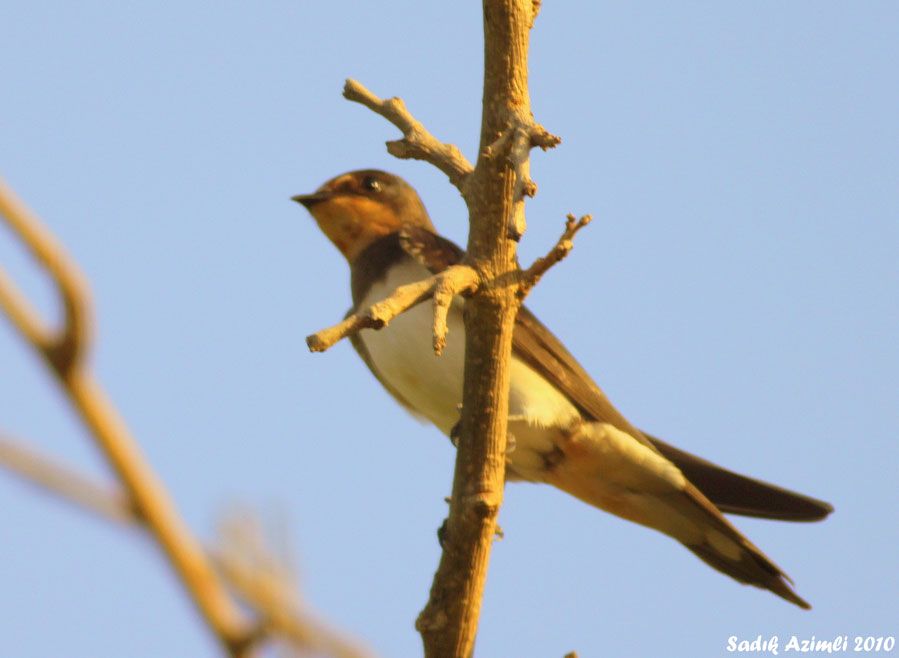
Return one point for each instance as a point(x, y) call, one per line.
point(63, 350)
point(64, 482)
point(260, 578)
point(142, 501)
point(65, 346)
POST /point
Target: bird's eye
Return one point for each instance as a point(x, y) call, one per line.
point(371, 184)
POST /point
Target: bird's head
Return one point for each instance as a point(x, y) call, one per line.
point(357, 208)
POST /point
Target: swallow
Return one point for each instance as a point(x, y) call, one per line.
point(563, 431)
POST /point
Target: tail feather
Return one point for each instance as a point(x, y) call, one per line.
point(753, 568)
point(735, 556)
point(737, 494)
point(610, 469)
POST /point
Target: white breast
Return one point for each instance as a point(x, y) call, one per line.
point(403, 354)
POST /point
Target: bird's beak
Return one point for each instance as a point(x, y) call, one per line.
point(310, 200)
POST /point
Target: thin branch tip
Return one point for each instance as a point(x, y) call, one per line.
point(515, 143)
point(456, 280)
point(542, 138)
point(442, 287)
point(354, 91)
point(315, 343)
point(417, 142)
point(560, 250)
point(573, 224)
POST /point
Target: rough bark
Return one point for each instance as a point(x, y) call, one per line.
point(493, 193)
point(494, 190)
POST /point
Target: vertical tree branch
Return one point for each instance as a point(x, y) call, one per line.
point(493, 191)
point(448, 623)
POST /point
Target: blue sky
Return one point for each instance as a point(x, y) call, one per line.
point(736, 295)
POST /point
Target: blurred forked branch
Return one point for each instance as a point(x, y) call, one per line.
point(243, 564)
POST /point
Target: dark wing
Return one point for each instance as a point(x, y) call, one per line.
point(729, 491)
point(534, 344)
point(429, 249)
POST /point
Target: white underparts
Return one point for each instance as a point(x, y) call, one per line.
point(403, 355)
point(549, 440)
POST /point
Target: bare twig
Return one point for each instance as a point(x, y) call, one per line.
point(515, 144)
point(519, 157)
point(535, 8)
point(243, 559)
point(375, 316)
point(417, 143)
point(542, 138)
point(562, 248)
point(458, 279)
point(464, 280)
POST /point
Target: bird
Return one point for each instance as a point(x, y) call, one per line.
point(562, 429)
